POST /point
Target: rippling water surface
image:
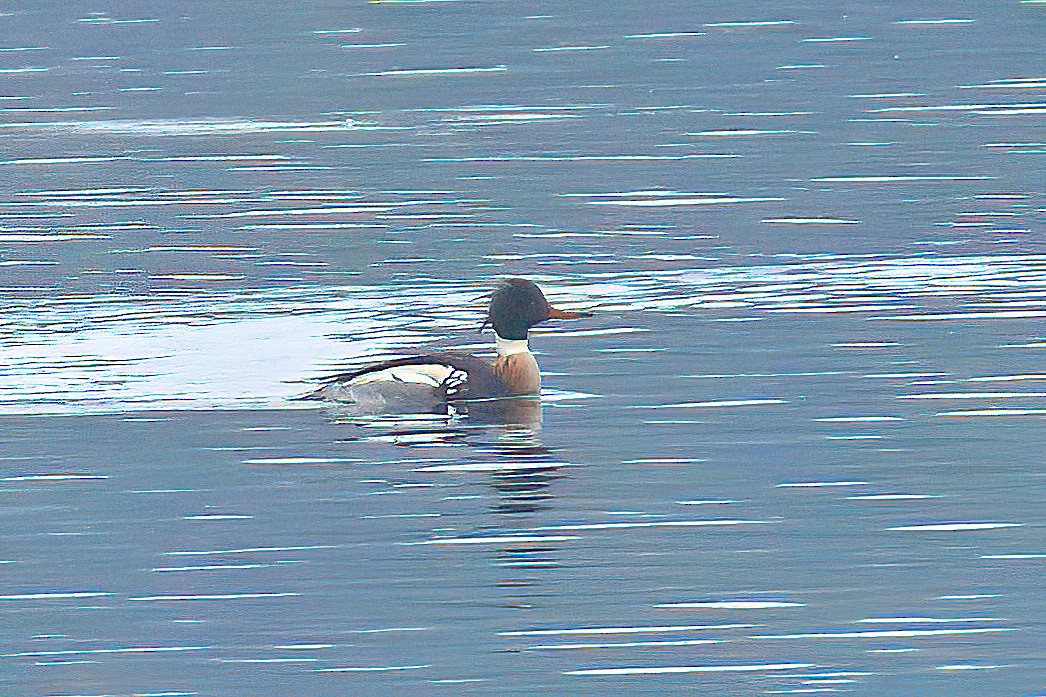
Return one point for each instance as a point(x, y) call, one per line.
point(797, 449)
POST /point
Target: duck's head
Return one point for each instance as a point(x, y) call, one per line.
point(517, 305)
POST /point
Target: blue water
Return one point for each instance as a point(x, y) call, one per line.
point(795, 450)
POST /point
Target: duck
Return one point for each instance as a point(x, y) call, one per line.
point(451, 382)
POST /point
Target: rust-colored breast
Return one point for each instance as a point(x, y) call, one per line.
point(518, 373)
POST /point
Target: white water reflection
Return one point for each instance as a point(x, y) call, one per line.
point(171, 127)
point(251, 350)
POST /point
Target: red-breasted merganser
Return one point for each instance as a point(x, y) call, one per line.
point(435, 382)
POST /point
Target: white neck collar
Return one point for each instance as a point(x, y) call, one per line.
point(509, 347)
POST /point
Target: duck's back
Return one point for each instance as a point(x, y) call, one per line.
point(425, 384)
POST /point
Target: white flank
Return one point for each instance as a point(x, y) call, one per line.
point(431, 374)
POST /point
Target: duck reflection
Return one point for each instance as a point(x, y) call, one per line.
point(527, 468)
point(501, 440)
point(501, 437)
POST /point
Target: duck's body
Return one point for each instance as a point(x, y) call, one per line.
point(434, 383)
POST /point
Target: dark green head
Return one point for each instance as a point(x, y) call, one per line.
point(517, 305)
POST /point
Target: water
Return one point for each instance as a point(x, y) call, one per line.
point(795, 450)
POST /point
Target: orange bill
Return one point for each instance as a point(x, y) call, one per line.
point(553, 313)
